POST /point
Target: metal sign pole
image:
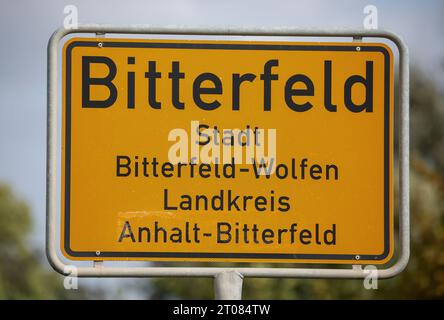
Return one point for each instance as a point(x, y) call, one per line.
point(228, 286)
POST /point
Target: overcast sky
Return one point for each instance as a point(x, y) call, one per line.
point(25, 27)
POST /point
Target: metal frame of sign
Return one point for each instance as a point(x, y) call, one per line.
point(224, 276)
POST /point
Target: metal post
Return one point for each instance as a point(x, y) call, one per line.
point(228, 286)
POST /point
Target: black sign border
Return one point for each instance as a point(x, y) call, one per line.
point(212, 255)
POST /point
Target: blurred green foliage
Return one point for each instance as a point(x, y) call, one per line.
point(22, 273)
point(424, 276)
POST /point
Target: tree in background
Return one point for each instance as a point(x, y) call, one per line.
point(423, 277)
point(22, 275)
